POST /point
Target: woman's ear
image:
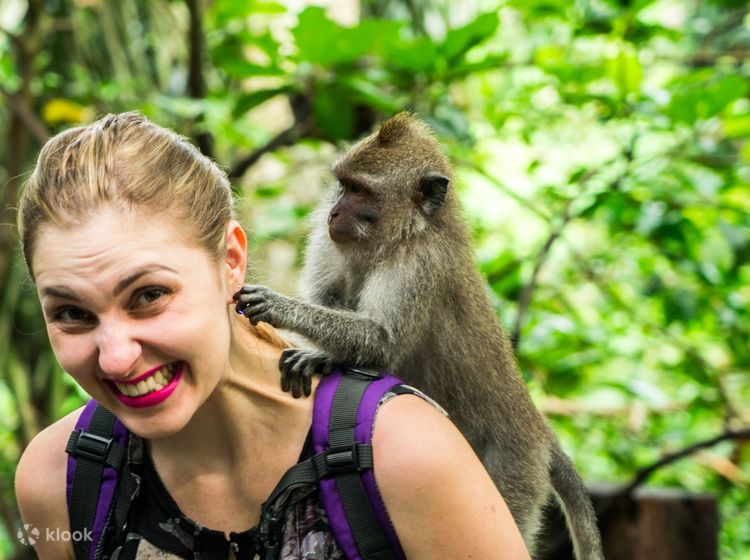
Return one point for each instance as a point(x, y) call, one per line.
point(235, 258)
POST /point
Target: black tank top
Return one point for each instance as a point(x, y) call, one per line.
point(169, 533)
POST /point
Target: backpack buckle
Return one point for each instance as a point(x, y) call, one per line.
point(92, 446)
point(364, 372)
point(347, 459)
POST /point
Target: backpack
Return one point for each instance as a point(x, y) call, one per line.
point(101, 483)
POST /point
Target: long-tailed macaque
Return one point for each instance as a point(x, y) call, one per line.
point(390, 283)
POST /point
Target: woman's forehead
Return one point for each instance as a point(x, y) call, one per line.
point(113, 241)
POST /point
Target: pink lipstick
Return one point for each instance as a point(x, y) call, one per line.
point(166, 379)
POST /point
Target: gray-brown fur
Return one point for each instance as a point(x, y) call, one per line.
point(403, 294)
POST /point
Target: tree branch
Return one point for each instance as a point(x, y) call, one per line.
point(284, 138)
point(196, 80)
point(524, 300)
point(24, 112)
point(645, 472)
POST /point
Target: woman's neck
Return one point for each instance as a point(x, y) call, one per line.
point(246, 417)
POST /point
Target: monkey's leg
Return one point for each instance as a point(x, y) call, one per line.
point(298, 365)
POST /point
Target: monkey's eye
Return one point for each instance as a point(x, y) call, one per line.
point(355, 188)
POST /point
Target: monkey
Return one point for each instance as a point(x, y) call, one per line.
point(389, 282)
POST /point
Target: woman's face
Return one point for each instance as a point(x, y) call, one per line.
point(139, 313)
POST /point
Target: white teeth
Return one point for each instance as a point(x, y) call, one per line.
point(157, 381)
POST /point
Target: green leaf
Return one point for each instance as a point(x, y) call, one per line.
point(224, 11)
point(250, 100)
point(372, 94)
point(737, 126)
point(243, 69)
point(458, 41)
point(316, 36)
point(491, 62)
point(701, 101)
point(324, 42)
point(625, 70)
point(417, 55)
point(334, 113)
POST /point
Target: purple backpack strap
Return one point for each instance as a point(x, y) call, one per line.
point(343, 418)
point(97, 450)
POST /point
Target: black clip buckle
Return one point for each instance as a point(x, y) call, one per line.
point(92, 446)
point(366, 373)
point(343, 460)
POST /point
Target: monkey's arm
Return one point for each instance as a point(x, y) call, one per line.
point(394, 307)
point(348, 336)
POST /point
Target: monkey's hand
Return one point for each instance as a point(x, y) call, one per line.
point(298, 365)
point(259, 303)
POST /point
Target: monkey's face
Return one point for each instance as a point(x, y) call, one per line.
point(355, 214)
point(392, 186)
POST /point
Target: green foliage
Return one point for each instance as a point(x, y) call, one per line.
point(603, 160)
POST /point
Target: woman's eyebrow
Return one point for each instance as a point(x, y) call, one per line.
point(64, 293)
point(125, 282)
point(59, 292)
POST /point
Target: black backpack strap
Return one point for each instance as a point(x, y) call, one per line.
point(97, 452)
point(342, 468)
point(342, 458)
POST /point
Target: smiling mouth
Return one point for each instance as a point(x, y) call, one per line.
point(155, 382)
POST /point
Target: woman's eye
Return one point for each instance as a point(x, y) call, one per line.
point(150, 295)
point(71, 315)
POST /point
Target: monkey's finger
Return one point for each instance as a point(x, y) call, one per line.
point(285, 385)
point(258, 312)
point(303, 379)
point(305, 368)
point(247, 300)
point(307, 385)
point(295, 385)
point(286, 365)
point(292, 371)
point(245, 290)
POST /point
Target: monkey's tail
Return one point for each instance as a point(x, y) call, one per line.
point(577, 507)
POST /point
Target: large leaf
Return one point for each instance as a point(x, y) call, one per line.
point(458, 41)
point(324, 42)
point(334, 113)
point(701, 101)
point(251, 100)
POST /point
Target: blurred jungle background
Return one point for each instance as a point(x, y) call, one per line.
point(603, 160)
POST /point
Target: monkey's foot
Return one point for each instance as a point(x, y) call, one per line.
point(298, 365)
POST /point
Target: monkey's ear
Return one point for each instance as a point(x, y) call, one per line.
point(433, 187)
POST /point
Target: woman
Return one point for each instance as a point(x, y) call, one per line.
point(128, 234)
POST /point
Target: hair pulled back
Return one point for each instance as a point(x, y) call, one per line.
point(127, 161)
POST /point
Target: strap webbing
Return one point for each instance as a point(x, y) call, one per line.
point(84, 497)
point(365, 526)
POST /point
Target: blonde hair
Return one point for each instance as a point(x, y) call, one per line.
point(127, 160)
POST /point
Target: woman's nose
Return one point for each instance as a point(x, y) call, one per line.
point(118, 349)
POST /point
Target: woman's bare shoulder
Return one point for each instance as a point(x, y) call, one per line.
point(439, 496)
point(40, 485)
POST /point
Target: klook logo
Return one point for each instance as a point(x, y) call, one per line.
point(28, 534)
